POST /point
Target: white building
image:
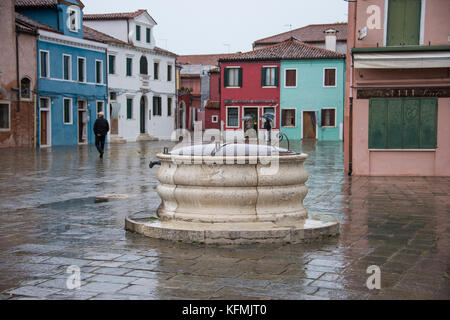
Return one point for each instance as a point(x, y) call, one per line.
point(141, 77)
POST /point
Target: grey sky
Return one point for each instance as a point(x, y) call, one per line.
point(204, 26)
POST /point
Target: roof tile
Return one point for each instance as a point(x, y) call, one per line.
point(287, 50)
point(309, 33)
point(114, 16)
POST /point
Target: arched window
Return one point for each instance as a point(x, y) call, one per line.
point(143, 65)
point(25, 88)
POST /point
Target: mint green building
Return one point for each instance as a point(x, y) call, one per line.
point(312, 91)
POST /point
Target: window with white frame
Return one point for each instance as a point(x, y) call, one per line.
point(328, 117)
point(288, 117)
point(329, 77)
point(215, 119)
point(67, 67)
point(67, 111)
point(4, 116)
point(99, 71)
point(233, 77)
point(73, 19)
point(233, 117)
point(290, 78)
point(269, 77)
point(44, 57)
point(169, 107)
point(81, 69)
point(100, 107)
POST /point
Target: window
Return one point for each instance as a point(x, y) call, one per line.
point(67, 67)
point(67, 110)
point(100, 107)
point(143, 65)
point(45, 64)
point(269, 77)
point(129, 108)
point(329, 77)
point(113, 96)
point(169, 72)
point(129, 67)
point(288, 117)
point(290, 78)
point(328, 118)
point(169, 107)
point(25, 88)
point(215, 119)
point(112, 65)
point(81, 69)
point(233, 117)
point(138, 33)
point(156, 106)
point(98, 71)
point(73, 20)
point(403, 123)
point(233, 77)
point(156, 71)
point(147, 37)
point(4, 116)
point(403, 22)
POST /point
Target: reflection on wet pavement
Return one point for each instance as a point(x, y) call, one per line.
point(50, 219)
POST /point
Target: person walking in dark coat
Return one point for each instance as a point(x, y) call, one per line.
point(268, 127)
point(101, 129)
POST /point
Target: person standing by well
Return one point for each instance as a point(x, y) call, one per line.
point(101, 129)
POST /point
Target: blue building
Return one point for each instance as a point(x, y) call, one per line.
point(72, 83)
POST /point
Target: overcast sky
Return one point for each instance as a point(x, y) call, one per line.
point(208, 26)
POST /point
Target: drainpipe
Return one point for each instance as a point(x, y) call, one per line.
point(17, 72)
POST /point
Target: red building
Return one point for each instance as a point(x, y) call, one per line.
point(249, 87)
point(212, 107)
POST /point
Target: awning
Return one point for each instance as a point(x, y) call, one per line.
point(401, 60)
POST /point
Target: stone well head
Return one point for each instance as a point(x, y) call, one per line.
point(232, 183)
point(232, 194)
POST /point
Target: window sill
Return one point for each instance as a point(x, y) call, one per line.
point(232, 87)
point(269, 87)
point(328, 126)
point(5, 130)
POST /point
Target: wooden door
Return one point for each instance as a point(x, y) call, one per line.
point(309, 132)
point(44, 128)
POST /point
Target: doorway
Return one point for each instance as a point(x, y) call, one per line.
point(309, 125)
point(143, 113)
point(253, 112)
point(44, 104)
point(82, 122)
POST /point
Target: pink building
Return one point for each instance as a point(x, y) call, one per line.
point(398, 88)
point(17, 78)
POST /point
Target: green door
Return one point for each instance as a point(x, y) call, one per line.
point(403, 25)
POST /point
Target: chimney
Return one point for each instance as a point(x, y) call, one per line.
point(330, 39)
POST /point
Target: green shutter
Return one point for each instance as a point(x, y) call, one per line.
point(225, 77)
point(411, 123)
point(403, 25)
point(394, 124)
point(277, 76)
point(240, 77)
point(129, 111)
point(377, 124)
point(148, 35)
point(138, 33)
point(129, 66)
point(428, 125)
point(263, 76)
point(411, 31)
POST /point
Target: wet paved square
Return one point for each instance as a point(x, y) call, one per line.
point(49, 220)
